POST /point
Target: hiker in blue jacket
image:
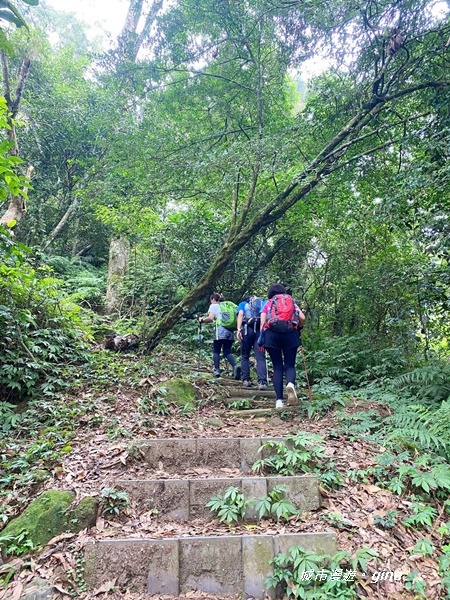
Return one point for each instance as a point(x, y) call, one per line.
point(248, 325)
point(223, 338)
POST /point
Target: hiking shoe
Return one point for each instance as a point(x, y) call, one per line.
point(216, 373)
point(262, 386)
point(237, 372)
point(247, 383)
point(279, 404)
point(292, 399)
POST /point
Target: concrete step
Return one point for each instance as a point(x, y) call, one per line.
point(180, 454)
point(225, 565)
point(185, 499)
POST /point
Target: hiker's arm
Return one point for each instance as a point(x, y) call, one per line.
point(240, 318)
point(209, 319)
point(263, 320)
point(301, 317)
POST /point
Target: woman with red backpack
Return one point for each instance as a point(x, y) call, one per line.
point(281, 321)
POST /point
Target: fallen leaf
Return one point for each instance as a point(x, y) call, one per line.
point(106, 587)
point(17, 592)
point(60, 589)
point(59, 538)
point(372, 489)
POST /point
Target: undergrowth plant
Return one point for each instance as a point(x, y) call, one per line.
point(229, 507)
point(425, 476)
point(42, 332)
point(275, 504)
point(113, 502)
point(301, 573)
point(300, 453)
point(327, 395)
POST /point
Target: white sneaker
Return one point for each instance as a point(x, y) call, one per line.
point(279, 404)
point(292, 399)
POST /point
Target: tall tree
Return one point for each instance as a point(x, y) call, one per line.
point(399, 52)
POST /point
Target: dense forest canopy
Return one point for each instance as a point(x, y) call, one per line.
point(192, 155)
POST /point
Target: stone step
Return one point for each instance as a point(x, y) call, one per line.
point(241, 392)
point(185, 499)
point(225, 565)
point(248, 413)
point(180, 454)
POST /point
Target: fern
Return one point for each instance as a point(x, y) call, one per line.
point(421, 425)
point(428, 383)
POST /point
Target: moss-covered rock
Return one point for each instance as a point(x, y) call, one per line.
point(181, 392)
point(83, 515)
point(51, 514)
point(44, 518)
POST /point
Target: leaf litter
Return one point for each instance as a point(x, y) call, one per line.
point(98, 458)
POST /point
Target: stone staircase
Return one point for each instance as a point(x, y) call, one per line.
point(231, 564)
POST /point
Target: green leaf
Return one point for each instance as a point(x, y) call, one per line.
point(12, 17)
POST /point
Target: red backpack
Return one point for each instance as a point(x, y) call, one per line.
point(282, 316)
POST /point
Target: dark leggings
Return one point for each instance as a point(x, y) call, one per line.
point(280, 365)
point(225, 346)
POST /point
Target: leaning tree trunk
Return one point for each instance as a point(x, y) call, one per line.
point(241, 232)
point(119, 260)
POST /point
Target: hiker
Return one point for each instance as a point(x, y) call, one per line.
point(281, 321)
point(223, 337)
point(248, 328)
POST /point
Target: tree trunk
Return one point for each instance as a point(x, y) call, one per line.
point(327, 161)
point(119, 260)
point(17, 205)
point(62, 223)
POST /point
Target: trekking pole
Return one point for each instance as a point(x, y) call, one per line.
point(267, 367)
point(306, 373)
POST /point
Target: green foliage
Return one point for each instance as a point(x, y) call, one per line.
point(444, 569)
point(350, 360)
point(360, 424)
point(8, 417)
point(275, 504)
point(300, 453)
point(42, 334)
point(229, 507)
point(16, 545)
point(113, 502)
point(422, 516)
point(427, 383)
point(331, 478)
point(84, 284)
point(414, 583)
point(388, 520)
point(303, 574)
point(427, 427)
point(424, 547)
point(11, 181)
point(327, 395)
point(426, 477)
point(240, 404)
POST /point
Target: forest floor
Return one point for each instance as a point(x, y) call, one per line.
point(122, 405)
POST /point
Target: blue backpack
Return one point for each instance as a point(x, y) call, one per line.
point(252, 310)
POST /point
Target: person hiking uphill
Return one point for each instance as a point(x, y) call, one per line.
point(223, 337)
point(248, 328)
point(281, 320)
